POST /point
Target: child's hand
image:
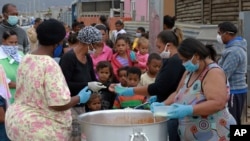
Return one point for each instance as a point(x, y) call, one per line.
point(112, 87)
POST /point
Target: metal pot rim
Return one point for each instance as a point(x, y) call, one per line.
point(117, 111)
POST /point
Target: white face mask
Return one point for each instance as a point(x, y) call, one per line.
point(164, 53)
point(138, 35)
point(91, 51)
point(219, 39)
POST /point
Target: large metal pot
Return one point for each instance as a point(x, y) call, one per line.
point(123, 125)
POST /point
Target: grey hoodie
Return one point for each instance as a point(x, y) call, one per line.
point(234, 63)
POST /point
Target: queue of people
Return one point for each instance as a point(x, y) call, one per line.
point(42, 96)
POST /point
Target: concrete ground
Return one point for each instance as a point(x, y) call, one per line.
point(246, 116)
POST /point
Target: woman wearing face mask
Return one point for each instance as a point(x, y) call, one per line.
point(200, 102)
point(42, 100)
point(10, 58)
point(10, 21)
point(167, 79)
point(77, 67)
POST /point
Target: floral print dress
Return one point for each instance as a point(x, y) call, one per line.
point(213, 127)
point(40, 84)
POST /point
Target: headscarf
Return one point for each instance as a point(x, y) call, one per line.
point(89, 35)
point(12, 51)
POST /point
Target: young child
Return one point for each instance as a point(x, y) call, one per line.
point(122, 56)
point(94, 103)
point(122, 76)
point(153, 64)
point(133, 79)
point(119, 30)
point(142, 54)
point(105, 75)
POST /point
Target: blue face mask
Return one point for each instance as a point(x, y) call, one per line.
point(12, 20)
point(58, 51)
point(189, 66)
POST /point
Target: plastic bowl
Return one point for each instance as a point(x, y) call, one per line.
point(161, 111)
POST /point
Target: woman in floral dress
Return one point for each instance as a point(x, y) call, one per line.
point(42, 101)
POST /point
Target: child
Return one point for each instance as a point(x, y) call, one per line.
point(94, 103)
point(154, 64)
point(122, 76)
point(105, 75)
point(142, 54)
point(119, 30)
point(4, 102)
point(122, 56)
point(133, 79)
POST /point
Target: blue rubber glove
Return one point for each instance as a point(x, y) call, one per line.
point(152, 99)
point(132, 56)
point(84, 94)
point(179, 111)
point(155, 104)
point(123, 91)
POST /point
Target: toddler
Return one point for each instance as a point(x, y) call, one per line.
point(105, 76)
point(133, 79)
point(94, 103)
point(153, 64)
point(142, 54)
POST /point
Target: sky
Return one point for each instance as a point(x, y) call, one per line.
point(32, 5)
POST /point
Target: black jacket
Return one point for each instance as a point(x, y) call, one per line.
point(167, 79)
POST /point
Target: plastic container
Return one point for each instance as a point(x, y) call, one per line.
point(161, 111)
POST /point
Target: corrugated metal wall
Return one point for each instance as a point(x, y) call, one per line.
point(210, 11)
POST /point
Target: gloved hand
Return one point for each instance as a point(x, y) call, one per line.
point(123, 91)
point(95, 86)
point(132, 56)
point(152, 99)
point(84, 94)
point(155, 104)
point(179, 111)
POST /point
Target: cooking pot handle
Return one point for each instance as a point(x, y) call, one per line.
point(138, 134)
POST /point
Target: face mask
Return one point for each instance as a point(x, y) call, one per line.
point(219, 39)
point(189, 66)
point(91, 51)
point(12, 20)
point(164, 53)
point(58, 51)
point(138, 35)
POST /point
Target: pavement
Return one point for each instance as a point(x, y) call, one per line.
point(246, 116)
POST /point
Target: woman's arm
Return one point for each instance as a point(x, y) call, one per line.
point(12, 85)
point(215, 92)
point(142, 90)
point(2, 115)
point(74, 100)
point(170, 99)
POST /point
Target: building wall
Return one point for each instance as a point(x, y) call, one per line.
point(141, 7)
point(169, 7)
point(210, 11)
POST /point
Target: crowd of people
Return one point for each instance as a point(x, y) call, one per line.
point(52, 73)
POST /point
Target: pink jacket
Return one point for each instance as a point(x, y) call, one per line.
point(142, 61)
point(116, 64)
